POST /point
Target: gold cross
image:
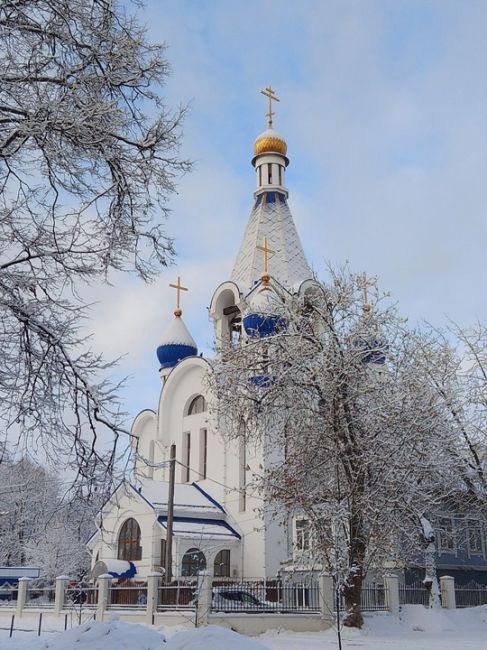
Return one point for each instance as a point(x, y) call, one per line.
point(179, 287)
point(266, 250)
point(268, 92)
point(364, 285)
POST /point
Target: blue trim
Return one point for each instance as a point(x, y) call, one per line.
point(263, 381)
point(210, 498)
point(169, 354)
point(129, 573)
point(197, 520)
point(139, 494)
point(263, 325)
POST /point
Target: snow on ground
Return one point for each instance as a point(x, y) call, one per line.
point(417, 629)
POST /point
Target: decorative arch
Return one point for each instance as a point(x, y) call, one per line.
point(221, 566)
point(129, 547)
point(196, 405)
point(193, 561)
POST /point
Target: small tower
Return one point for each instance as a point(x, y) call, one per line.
point(177, 343)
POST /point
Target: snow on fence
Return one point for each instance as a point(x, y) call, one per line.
point(470, 595)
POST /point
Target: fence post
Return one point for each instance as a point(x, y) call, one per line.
point(61, 584)
point(327, 595)
point(153, 583)
point(391, 583)
point(203, 607)
point(22, 595)
point(104, 582)
point(448, 599)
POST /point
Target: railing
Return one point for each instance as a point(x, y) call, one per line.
point(81, 596)
point(372, 598)
point(131, 596)
point(265, 596)
point(182, 595)
point(415, 594)
point(470, 595)
point(8, 595)
point(40, 595)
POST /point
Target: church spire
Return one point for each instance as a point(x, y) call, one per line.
point(270, 221)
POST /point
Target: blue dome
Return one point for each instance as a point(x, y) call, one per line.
point(176, 344)
point(372, 350)
point(260, 325)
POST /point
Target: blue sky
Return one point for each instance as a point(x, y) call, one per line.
point(384, 108)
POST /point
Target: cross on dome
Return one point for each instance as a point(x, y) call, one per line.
point(271, 95)
point(364, 285)
point(267, 253)
point(179, 287)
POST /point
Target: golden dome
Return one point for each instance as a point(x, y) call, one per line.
point(270, 142)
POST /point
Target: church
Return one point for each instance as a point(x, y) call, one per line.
point(218, 523)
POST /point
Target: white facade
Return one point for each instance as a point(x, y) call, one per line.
point(214, 510)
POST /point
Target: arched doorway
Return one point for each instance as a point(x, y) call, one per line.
point(193, 561)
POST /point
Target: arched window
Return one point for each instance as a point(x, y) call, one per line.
point(198, 405)
point(222, 564)
point(193, 561)
point(129, 541)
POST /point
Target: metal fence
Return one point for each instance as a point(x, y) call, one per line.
point(131, 596)
point(265, 596)
point(8, 595)
point(414, 594)
point(372, 598)
point(40, 595)
point(470, 595)
point(182, 595)
point(81, 596)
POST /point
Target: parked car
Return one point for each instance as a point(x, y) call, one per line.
point(228, 599)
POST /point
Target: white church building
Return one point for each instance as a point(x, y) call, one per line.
point(219, 523)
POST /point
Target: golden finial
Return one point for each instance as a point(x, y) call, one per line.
point(267, 253)
point(364, 283)
point(179, 287)
point(268, 92)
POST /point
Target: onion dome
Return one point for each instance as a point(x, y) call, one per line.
point(262, 320)
point(270, 142)
point(177, 343)
point(371, 349)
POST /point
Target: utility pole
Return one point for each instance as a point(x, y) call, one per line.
point(170, 515)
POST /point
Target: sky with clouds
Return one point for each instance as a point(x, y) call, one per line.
point(384, 109)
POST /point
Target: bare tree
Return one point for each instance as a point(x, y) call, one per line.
point(355, 437)
point(88, 158)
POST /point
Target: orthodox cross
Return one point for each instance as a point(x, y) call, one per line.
point(179, 287)
point(268, 92)
point(364, 284)
point(267, 253)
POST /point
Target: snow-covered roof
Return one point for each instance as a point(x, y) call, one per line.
point(271, 218)
point(200, 528)
point(187, 497)
point(178, 334)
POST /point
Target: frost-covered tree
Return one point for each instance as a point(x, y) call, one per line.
point(88, 158)
point(41, 523)
point(354, 434)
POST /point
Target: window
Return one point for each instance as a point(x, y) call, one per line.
point(302, 535)
point(129, 541)
point(475, 537)
point(193, 561)
point(186, 458)
point(260, 175)
point(446, 534)
point(221, 567)
point(280, 174)
point(269, 173)
point(203, 453)
point(198, 405)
